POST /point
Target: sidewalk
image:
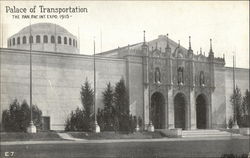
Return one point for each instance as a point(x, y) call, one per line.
point(71, 140)
point(66, 136)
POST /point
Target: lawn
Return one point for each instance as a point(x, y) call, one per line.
point(116, 135)
point(21, 136)
point(154, 149)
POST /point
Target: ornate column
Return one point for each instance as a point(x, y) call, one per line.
point(170, 109)
point(192, 110)
point(192, 99)
point(146, 107)
point(209, 111)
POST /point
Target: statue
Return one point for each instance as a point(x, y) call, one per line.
point(202, 78)
point(157, 75)
point(180, 75)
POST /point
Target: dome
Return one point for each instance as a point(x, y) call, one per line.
point(44, 27)
point(45, 37)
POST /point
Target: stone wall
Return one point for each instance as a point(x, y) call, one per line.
point(57, 79)
point(135, 84)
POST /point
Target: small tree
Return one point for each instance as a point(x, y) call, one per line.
point(121, 103)
point(87, 96)
point(236, 101)
point(109, 111)
point(246, 110)
point(17, 117)
point(82, 119)
point(246, 103)
point(115, 115)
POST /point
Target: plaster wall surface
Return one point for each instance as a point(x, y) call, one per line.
point(135, 85)
point(218, 103)
point(57, 79)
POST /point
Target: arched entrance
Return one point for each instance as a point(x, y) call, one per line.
point(201, 112)
point(179, 111)
point(157, 110)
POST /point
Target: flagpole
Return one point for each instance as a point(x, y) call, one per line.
point(30, 77)
point(32, 127)
point(235, 125)
point(97, 128)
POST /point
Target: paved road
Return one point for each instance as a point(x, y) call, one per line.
point(190, 148)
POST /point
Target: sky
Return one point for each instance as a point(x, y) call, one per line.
point(119, 23)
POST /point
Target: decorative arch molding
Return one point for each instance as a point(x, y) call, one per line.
point(184, 90)
point(181, 93)
point(203, 94)
point(159, 89)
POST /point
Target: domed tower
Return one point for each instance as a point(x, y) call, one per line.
point(45, 37)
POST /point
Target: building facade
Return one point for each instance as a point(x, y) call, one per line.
point(168, 85)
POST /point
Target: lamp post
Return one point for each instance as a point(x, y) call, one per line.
point(31, 128)
point(96, 126)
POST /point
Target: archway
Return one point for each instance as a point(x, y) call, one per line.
point(157, 110)
point(179, 111)
point(201, 112)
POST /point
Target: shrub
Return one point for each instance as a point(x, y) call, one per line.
point(230, 123)
point(101, 119)
point(140, 122)
point(76, 121)
point(17, 117)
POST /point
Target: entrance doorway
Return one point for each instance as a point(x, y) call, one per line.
point(179, 111)
point(157, 110)
point(201, 112)
point(45, 123)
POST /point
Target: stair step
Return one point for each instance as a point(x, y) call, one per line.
point(204, 133)
point(194, 136)
point(190, 131)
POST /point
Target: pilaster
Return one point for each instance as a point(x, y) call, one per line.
point(192, 110)
point(170, 109)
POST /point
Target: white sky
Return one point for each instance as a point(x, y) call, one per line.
point(122, 23)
